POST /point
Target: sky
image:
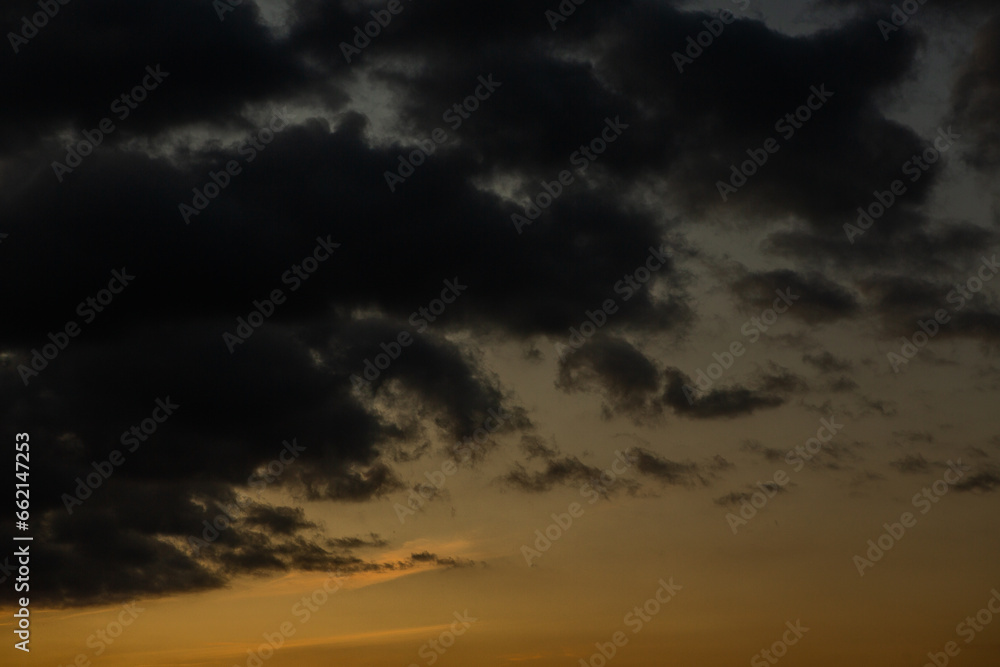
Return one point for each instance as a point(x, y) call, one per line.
point(508, 333)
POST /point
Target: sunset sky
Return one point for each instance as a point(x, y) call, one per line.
point(422, 332)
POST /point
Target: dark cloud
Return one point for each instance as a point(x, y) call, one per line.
point(736, 498)
point(864, 478)
point(780, 380)
point(977, 453)
point(91, 53)
point(633, 385)
point(564, 470)
point(434, 559)
point(915, 436)
point(883, 407)
point(720, 462)
point(976, 96)
point(309, 375)
point(628, 380)
point(826, 362)
point(811, 298)
point(839, 455)
point(406, 454)
point(559, 469)
point(236, 417)
point(436, 374)
point(843, 383)
point(121, 544)
point(915, 251)
point(682, 395)
point(279, 520)
point(372, 541)
point(937, 9)
point(666, 471)
point(729, 101)
point(536, 448)
point(985, 480)
point(911, 463)
point(757, 447)
point(903, 302)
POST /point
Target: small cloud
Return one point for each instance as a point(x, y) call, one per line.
point(911, 464)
